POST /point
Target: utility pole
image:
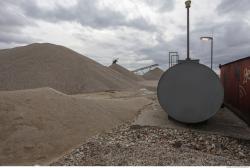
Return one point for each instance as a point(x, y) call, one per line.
point(212, 52)
point(188, 5)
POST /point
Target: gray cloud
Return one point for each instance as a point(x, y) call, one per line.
point(231, 35)
point(15, 15)
point(161, 5)
point(12, 21)
point(86, 13)
point(15, 38)
point(233, 7)
point(11, 15)
point(231, 42)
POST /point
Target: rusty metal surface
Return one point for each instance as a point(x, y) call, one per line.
point(235, 77)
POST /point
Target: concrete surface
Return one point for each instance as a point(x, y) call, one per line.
point(225, 122)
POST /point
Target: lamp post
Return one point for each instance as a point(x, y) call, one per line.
point(188, 5)
point(212, 47)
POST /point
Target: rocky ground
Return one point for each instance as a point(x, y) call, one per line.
point(134, 145)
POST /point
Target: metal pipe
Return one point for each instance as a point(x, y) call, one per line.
point(212, 52)
point(188, 5)
point(188, 57)
point(169, 59)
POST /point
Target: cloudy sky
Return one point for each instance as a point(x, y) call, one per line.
point(138, 32)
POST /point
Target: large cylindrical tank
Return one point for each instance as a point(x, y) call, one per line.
point(190, 92)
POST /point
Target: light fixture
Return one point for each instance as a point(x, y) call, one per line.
point(188, 4)
point(206, 38)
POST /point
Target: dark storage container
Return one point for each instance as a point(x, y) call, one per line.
point(235, 77)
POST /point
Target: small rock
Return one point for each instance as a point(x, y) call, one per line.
point(135, 127)
point(242, 154)
point(177, 144)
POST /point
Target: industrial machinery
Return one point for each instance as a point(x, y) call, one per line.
point(190, 92)
point(115, 60)
point(145, 68)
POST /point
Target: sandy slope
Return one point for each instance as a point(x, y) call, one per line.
point(154, 74)
point(48, 65)
point(41, 124)
point(126, 72)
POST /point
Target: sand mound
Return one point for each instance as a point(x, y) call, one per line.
point(126, 72)
point(154, 74)
point(39, 125)
point(47, 65)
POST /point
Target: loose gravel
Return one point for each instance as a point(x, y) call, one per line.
point(153, 146)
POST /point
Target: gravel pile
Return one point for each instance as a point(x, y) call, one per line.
point(154, 74)
point(48, 65)
point(136, 145)
point(125, 72)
